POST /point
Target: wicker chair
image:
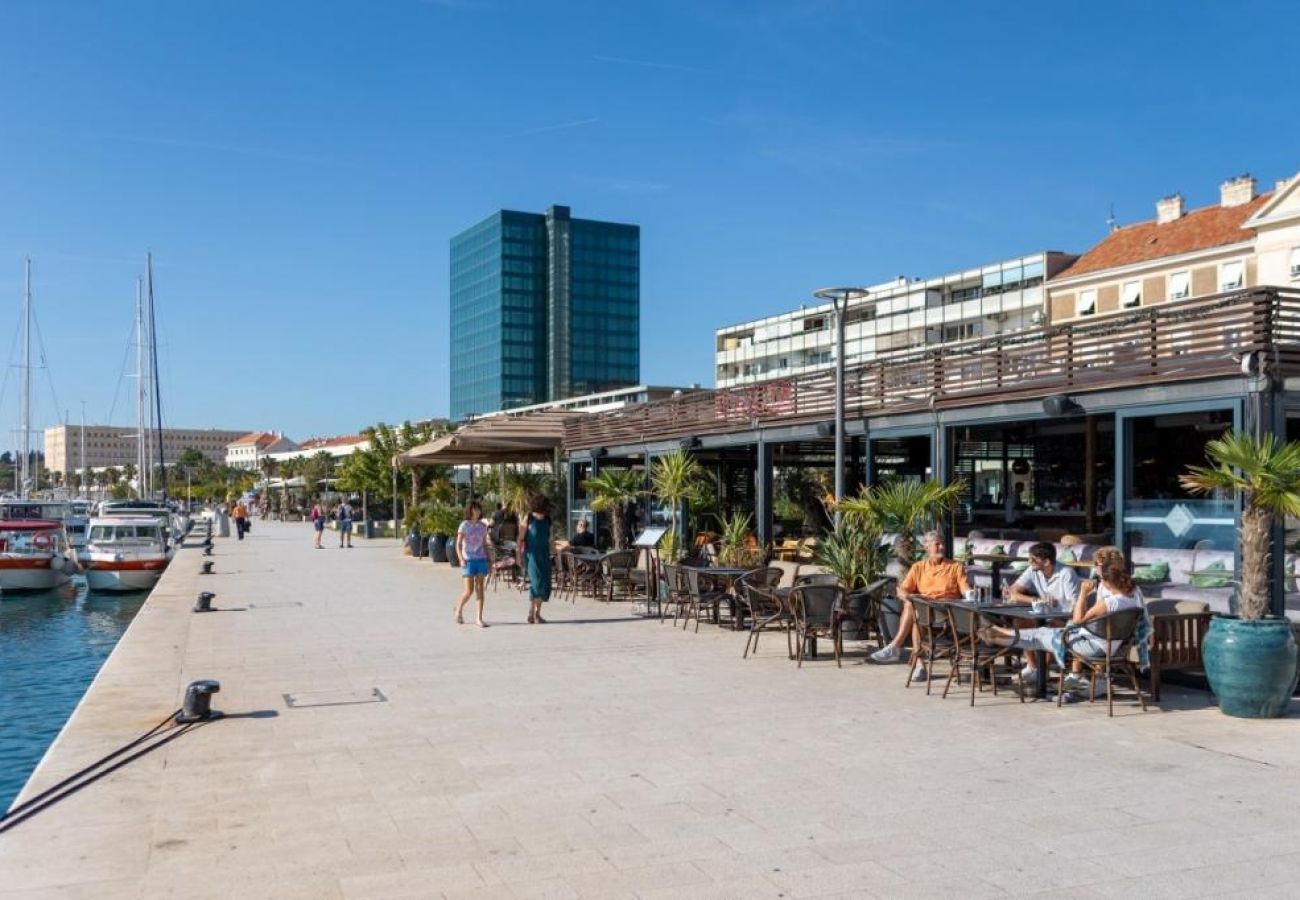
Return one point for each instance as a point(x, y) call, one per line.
point(616, 574)
point(1118, 631)
point(936, 640)
point(676, 592)
point(765, 577)
point(974, 654)
point(703, 592)
point(816, 610)
point(767, 612)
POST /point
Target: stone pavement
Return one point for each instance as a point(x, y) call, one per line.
point(607, 756)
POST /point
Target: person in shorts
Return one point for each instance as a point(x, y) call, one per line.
point(318, 523)
point(472, 542)
point(344, 517)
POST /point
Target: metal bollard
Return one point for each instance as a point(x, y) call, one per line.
point(204, 602)
point(207, 568)
point(197, 706)
point(207, 549)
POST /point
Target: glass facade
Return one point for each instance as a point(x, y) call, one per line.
point(543, 307)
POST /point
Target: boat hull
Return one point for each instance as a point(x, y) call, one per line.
point(127, 575)
point(32, 575)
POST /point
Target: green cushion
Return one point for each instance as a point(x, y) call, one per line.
point(1067, 555)
point(1156, 573)
point(998, 550)
point(1213, 581)
point(1019, 566)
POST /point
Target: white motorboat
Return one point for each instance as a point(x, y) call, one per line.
point(33, 555)
point(125, 553)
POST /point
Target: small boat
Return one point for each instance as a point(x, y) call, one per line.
point(33, 555)
point(125, 553)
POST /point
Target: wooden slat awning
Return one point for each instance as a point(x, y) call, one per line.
point(519, 438)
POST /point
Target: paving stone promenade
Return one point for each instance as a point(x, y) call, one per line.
point(605, 756)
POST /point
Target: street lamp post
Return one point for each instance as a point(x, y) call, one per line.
point(840, 297)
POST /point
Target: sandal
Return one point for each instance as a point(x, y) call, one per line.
point(482, 624)
point(530, 619)
point(540, 620)
point(460, 620)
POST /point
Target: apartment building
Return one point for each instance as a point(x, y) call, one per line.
point(107, 445)
point(248, 450)
point(1246, 240)
point(896, 316)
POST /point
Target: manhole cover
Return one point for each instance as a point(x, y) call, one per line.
point(303, 699)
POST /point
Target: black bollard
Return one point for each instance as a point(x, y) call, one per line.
point(207, 568)
point(204, 602)
point(197, 706)
point(207, 550)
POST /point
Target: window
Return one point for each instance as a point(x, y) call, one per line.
point(1180, 285)
point(1295, 263)
point(1086, 304)
point(1131, 295)
point(1230, 276)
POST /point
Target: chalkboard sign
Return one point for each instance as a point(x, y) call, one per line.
point(650, 538)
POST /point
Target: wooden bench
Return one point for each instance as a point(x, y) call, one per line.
point(1178, 629)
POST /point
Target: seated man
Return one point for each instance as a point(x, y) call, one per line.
point(582, 536)
point(934, 578)
point(1044, 580)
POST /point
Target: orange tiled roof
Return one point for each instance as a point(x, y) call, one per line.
point(1200, 229)
point(257, 437)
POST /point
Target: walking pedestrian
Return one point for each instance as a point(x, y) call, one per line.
point(536, 539)
point(472, 541)
point(318, 522)
point(344, 513)
point(240, 514)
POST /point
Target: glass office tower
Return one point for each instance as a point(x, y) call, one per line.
point(543, 307)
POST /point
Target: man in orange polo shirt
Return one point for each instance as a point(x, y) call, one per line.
point(934, 578)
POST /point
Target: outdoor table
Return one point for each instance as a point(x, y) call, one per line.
point(1024, 613)
point(996, 561)
point(1084, 566)
point(727, 574)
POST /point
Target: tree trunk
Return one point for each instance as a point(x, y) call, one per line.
point(1256, 569)
point(616, 523)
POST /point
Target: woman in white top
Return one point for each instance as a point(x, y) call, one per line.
point(1114, 592)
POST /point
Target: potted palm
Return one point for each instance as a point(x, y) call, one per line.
point(441, 521)
point(903, 509)
point(737, 548)
point(852, 552)
point(675, 478)
point(1250, 658)
point(611, 490)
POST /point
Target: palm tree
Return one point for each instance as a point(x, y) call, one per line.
point(1266, 473)
point(675, 478)
point(611, 491)
point(903, 508)
point(522, 485)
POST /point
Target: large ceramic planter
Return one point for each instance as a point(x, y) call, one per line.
point(855, 629)
point(452, 556)
point(438, 548)
point(1251, 665)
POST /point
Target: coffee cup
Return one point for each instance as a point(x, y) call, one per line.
point(973, 595)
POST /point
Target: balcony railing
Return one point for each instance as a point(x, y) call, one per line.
point(1181, 341)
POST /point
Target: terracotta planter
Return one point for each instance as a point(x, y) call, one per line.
point(1251, 665)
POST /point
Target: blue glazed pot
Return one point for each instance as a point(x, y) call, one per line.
point(1251, 665)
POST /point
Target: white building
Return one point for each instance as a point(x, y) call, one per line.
point(110, 445)
point(900, 315)
point(248, 451)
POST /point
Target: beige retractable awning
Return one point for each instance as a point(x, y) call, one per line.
point(525, 437)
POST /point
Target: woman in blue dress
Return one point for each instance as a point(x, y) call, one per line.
point(537, 557)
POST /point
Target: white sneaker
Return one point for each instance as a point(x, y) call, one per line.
point(1028, 674)
point(886, 655)
point(920, 674)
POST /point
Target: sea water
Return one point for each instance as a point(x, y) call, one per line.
point(51, 646)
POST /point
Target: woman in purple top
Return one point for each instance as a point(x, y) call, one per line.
point(472, 540)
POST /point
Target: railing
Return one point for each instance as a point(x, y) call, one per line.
point(1181, 341)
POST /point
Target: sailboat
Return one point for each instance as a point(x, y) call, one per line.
point(129, 545)
point(33, 543)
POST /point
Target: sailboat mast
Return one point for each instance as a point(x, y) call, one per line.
point(26, 428)
point(157, 393)
point(140, 404)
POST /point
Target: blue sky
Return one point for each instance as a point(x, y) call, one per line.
point(297, 168)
